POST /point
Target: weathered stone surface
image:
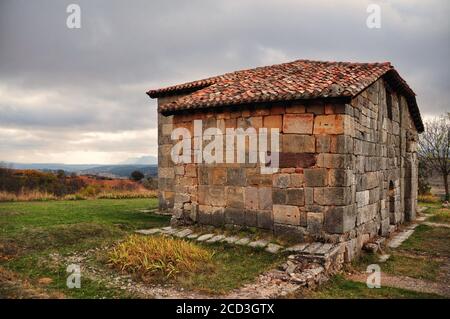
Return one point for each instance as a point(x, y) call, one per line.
point(235, 197)
point(367, 213)
point(236, 177)
point(316, 177)
point(298, 123)
point(205, 237)
point(265, 198)
point(251, 218)
point(273, 121)
point(295, 143)
point(183, 233)
point(281, 180)
point(264, 219)
point(231, 239)
point(243, 241)
point(296, 180)
point(273, 248)
point(284, 214)
point(290, 232)
point(329, 124)
point(211, 195)
point(332, 195)
point(341, 144)
point(301, 160)
point(362, 198)
point(314, 223)
point(219, 176)
point(261, 243)
point(340, 219)
point(295, 196)
point(340, 177)
point(191, 170)
point(234, 216)
point(216, 238)
point(309, 195)
point(251, 198)
point(148, 231)
point(296, 108)
point(335, 161)
point(323, 143)
point(166, 172)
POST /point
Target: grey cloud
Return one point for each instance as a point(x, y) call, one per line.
point(99, 73)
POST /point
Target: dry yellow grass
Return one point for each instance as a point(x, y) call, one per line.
point(26, 196)
point(428, 198)
point(159, 255)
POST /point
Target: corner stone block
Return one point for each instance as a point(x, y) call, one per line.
point(298, 123)
point(314, 223)
point(285, 214)
point(333, 195)
point(340, 177)
point(323, 143)
point(315, 177)
point(340, 219)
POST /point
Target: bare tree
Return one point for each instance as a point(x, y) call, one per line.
point(434, 147)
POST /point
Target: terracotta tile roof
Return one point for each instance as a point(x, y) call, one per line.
point(301, 79)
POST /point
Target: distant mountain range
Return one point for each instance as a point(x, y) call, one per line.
point(145, 160)
point(145, 164)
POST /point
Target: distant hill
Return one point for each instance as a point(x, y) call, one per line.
point(113, 171)
point(143, 160)
point(121, 170)
point(52, 166)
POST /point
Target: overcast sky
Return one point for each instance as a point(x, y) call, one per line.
point(78, 95)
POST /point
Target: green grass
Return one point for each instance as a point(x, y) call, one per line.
point(339, 287)
point(431, 241)
point(401, 264)
point(31, 231)
point(234, 266)
point(21, 216)
point(421, 256)
point(440, 215)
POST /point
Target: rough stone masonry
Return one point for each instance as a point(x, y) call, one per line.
point(347, 159)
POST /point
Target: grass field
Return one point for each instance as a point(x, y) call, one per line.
point(38, 240)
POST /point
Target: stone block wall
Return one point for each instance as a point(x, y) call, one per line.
point(346, 174)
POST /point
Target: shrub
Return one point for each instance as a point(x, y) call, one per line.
point(137, 175)
point(90, 191)
point(159, 255)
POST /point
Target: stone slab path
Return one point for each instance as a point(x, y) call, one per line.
point(400, 237)
point(315, 248)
